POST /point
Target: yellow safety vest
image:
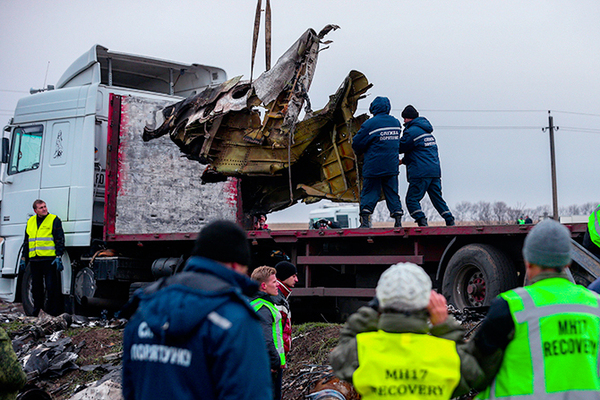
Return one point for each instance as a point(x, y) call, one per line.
point(405, 366)
point(277, 326)
point(554, 352)
point(41, 241)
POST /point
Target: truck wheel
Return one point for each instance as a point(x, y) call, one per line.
point(476, 274)
point(26, 292)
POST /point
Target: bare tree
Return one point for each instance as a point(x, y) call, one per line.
point(381, 213)
point(484, 211)
point(588, 208)
point(463, 211)
point(500, 211)
point(513, 213)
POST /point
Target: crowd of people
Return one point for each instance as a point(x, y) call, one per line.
point(539, 341)
point(213, 332)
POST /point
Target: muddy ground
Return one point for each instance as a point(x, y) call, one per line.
point(83, 359)
point(98, 345)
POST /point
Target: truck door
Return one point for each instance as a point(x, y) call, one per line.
point(56, 172)
point(22, 182)
point(21, 186)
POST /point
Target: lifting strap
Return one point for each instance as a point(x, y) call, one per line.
point(267, 36)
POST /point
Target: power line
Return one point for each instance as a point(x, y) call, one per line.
point(572, 129)
point(489, 111)
point(576, 113)
point(493, 111)
point(499, 127)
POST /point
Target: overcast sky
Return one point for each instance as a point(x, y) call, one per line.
point(485, 73)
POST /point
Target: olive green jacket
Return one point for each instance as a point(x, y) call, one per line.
point(12, 377)
point(344, 357)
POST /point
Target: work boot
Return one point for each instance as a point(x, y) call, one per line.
point(422, 221)
point(365, 221)
point(450, 222)
point(397, 219)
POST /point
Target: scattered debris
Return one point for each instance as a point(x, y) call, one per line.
point(62, 355)
point(73, 357)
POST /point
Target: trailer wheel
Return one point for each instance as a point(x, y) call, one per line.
point(26, 292)
point(476, 274)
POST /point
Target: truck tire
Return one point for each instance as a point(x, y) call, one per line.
point(26, 292)
point(476, 274)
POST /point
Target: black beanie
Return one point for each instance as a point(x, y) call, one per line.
point(285, 269)
point(410, 112)
point(223, 241)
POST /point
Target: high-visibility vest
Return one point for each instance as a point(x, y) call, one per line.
point(521, 221)
point(594, 226)
point(41, 241)
point(277, 326)
point(405, 366)
point(554, 352)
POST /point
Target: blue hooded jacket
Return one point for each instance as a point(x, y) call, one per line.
point(378, 139)
point(420, 150)
point(195, 336)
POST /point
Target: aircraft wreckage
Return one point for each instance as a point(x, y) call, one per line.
point(251, 130)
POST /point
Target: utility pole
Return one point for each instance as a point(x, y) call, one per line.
point(551, 128)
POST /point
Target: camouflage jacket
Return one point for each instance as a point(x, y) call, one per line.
point(12, 377)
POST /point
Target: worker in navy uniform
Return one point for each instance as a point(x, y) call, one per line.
point(378, 139)
point(423, 169)
point(43, 248)
point(194, 335)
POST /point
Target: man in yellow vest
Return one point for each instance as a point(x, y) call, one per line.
point(263, 304)
point(395, 354)
point(43, 248)
point(591, 240)
point(548, 330)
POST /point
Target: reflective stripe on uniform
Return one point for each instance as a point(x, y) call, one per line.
point(555, 345)
point(594, 226)
point(277, 326)
point(41, 242)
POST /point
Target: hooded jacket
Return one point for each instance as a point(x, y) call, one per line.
point(194, 335)
point(282, 304)
point(420, 150)
point(378, 139)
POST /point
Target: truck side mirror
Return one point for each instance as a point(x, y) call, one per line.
point(5, 150)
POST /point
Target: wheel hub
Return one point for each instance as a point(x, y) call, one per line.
point(476, 289)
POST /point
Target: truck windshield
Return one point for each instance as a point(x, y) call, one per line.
point(26, 149)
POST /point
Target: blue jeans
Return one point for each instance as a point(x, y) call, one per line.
point(371, 193)
point(415, 193)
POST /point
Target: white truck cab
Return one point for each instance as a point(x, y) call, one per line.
point(55, 148)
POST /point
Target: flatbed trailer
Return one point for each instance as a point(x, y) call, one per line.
point(470, 264)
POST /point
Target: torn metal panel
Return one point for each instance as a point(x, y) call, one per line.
point(252, 130)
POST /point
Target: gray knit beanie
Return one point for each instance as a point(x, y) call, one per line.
point(548, 245)
point(403, 287)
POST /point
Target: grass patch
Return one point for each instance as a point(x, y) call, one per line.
point(309, 326)
point(14, 326)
